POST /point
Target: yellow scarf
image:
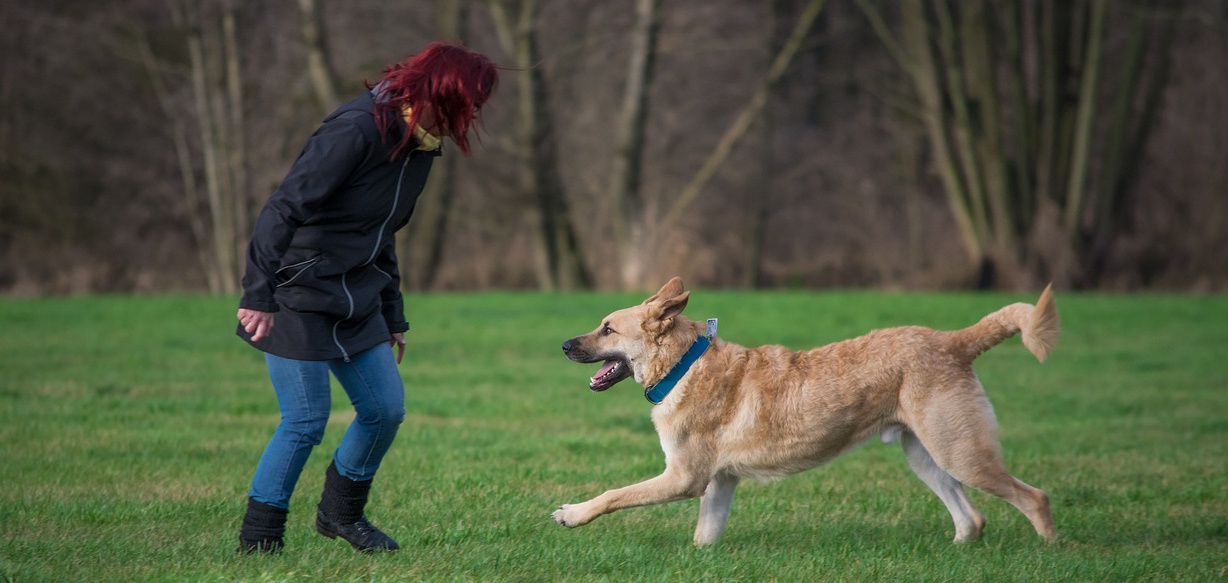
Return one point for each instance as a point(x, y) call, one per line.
point(426, 140)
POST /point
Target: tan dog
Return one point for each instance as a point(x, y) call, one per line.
point(769, 412)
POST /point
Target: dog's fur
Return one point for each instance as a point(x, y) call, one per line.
point(769, 412)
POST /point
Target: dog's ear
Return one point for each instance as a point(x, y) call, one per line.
point(672, 306)
point(662, 314)
point(672, 288)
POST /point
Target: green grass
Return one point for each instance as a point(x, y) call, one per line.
point(130, 427)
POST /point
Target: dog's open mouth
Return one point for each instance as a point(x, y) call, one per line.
point(613, 371)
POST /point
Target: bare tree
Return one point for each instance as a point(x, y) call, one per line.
point(1052, 139)
point(192, 197)
point(319, 59)
point(745, 119)
point(758, 204)
point(1011, 123)
point(637, 231)
point(624, 189)
point(213, 57)
point(422, 247)
point(557, 258)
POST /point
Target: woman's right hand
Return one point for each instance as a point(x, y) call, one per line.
point(256, 323)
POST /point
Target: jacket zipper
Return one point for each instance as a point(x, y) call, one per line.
point(396, 198)
point(303, 267)
point(349, 297)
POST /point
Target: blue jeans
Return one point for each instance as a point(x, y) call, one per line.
point(375, 389)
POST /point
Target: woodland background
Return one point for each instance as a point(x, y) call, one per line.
point(911, 144)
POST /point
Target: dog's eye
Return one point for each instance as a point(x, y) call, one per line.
point(606, 330)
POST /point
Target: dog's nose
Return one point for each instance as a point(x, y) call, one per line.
point(570, 344)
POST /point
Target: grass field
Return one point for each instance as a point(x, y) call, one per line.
point(129, 428)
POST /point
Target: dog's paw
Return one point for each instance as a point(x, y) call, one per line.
point(570, 515)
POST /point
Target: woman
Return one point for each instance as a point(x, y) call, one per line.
point(322, 267)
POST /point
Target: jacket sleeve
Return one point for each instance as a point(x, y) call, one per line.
point(393, 305)
point(323, 166)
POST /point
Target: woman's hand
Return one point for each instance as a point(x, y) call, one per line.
point(398, 340)
point(256, 323)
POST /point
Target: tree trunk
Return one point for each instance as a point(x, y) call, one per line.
point(242, 201)
point(1076, 188)
point(744, 120)
point(627, 167)
point(1028, 222)
point(558, 262)
point(217, 100)
point(758, 201)
point(319, 59)
point(210, 126)
point(421, 248)
point(183, 156)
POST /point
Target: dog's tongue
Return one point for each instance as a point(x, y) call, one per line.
point(605, 369)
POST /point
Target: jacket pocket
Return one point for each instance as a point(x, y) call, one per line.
point(289, 273)
point(312, 293)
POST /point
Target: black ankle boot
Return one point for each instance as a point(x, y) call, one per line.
point(263, 529)
point(340, 514)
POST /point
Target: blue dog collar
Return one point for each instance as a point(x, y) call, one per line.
point(656, 393)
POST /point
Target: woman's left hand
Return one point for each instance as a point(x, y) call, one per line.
point(256, 323)
point(398, 340)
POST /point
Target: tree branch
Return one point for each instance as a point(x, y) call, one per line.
point(742, 123)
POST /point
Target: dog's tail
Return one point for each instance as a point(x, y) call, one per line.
point(1039, 325)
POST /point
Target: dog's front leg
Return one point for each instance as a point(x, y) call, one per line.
point(668, 487)
point(714, 508)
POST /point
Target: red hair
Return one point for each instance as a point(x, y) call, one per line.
point(447, 83)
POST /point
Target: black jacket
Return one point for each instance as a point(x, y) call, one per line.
point(322, 255)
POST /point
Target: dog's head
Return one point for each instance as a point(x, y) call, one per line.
point(632, 341)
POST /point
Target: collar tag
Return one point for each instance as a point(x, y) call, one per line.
point(711, 328)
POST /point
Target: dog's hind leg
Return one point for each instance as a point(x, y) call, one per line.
point(714, 508)
point(959, 431)
point(968, 522)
